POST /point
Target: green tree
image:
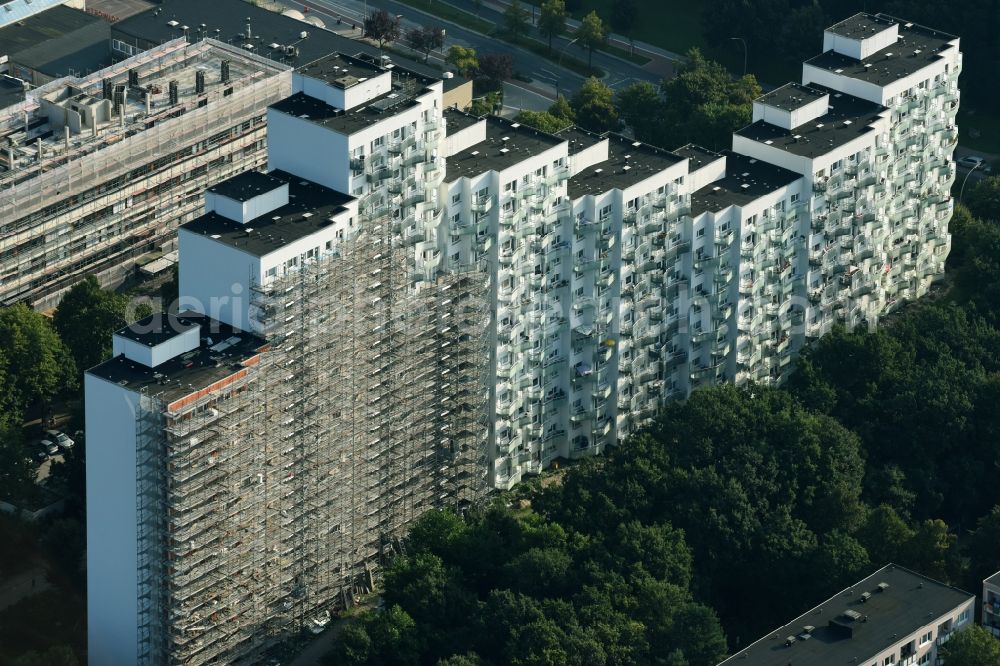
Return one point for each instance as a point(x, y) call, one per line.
point(543, 120)
point(983, 199)
point(552, 19)
point(382, 26)
point(496, 68)
point(624, 14)
point(425, 39)
point(58, 655)
point(516, 19)
point(464, 59)
point(973, 646)
point(470, 659)
point(88, 315)
point(561, 109)
point(17, 469)
point(591, 35)
point(931, 551)
point(884, 535)
point(640, 106)
point(594, 108)
point(38, 364)
point(983, 547)
point(704, 105)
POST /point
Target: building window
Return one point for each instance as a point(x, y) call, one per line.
point(963, 618)
point(795, 198)
point(926, 638)
point(891, 659)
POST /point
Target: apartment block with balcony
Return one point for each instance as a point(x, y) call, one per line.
point(991, 604)
point(894, 617)
point(443, 303)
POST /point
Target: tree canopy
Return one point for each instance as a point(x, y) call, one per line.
point(516, 19)
point(593, 106)
point(382, 26)
point(37, 364)
point(426, 39)
point(591, 34)
point(552, 19)
point(973, 646)
point(464, 59)
point(86, 318)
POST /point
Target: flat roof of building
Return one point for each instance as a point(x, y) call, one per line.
point(247, 185)
point(791, 96)
point(507, 143)
point(698, 156)
point(340, 70)
point(456, 121)
point(847, 118)
point(189, 372)
point(580, 139)
point(177, 61)
point(994, 579)
point(629, 162)
point(11, 91)
point(746, 179)
point(42, 27)
point(910, 601)
point(271, 33)
point(308, 210)
point(861, 25)
point(156, 329)
point(916, 48)
point(57, 41)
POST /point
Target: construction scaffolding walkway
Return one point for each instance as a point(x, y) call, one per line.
point(291, 483)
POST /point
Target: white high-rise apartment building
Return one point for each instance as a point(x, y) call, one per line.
point(414, 304)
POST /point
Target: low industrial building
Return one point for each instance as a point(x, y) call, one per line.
point(893, 617)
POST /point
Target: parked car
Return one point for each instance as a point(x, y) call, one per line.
point(49, 447)
point(318, 623)
point(971, 161)
point(61, 439)
point(41, 455)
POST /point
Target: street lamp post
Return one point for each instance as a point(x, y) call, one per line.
point(961, 192)
point(744, 43)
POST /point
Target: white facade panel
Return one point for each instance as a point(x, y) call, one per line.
point(112, 533)
point(213, 279)
point(152, 356)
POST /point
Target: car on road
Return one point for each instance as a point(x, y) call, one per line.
point(61, 439)
point(49, 447)
point(970, 161)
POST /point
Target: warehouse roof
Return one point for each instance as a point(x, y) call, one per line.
point(57, 41)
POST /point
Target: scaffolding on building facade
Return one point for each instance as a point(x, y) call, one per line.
point(292, 482)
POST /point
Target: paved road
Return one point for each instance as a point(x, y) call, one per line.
point(547, 74)
point(21, 586)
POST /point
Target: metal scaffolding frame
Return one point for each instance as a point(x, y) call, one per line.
point(288, 486)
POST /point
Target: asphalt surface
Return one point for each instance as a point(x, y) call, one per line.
point(547, 76)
